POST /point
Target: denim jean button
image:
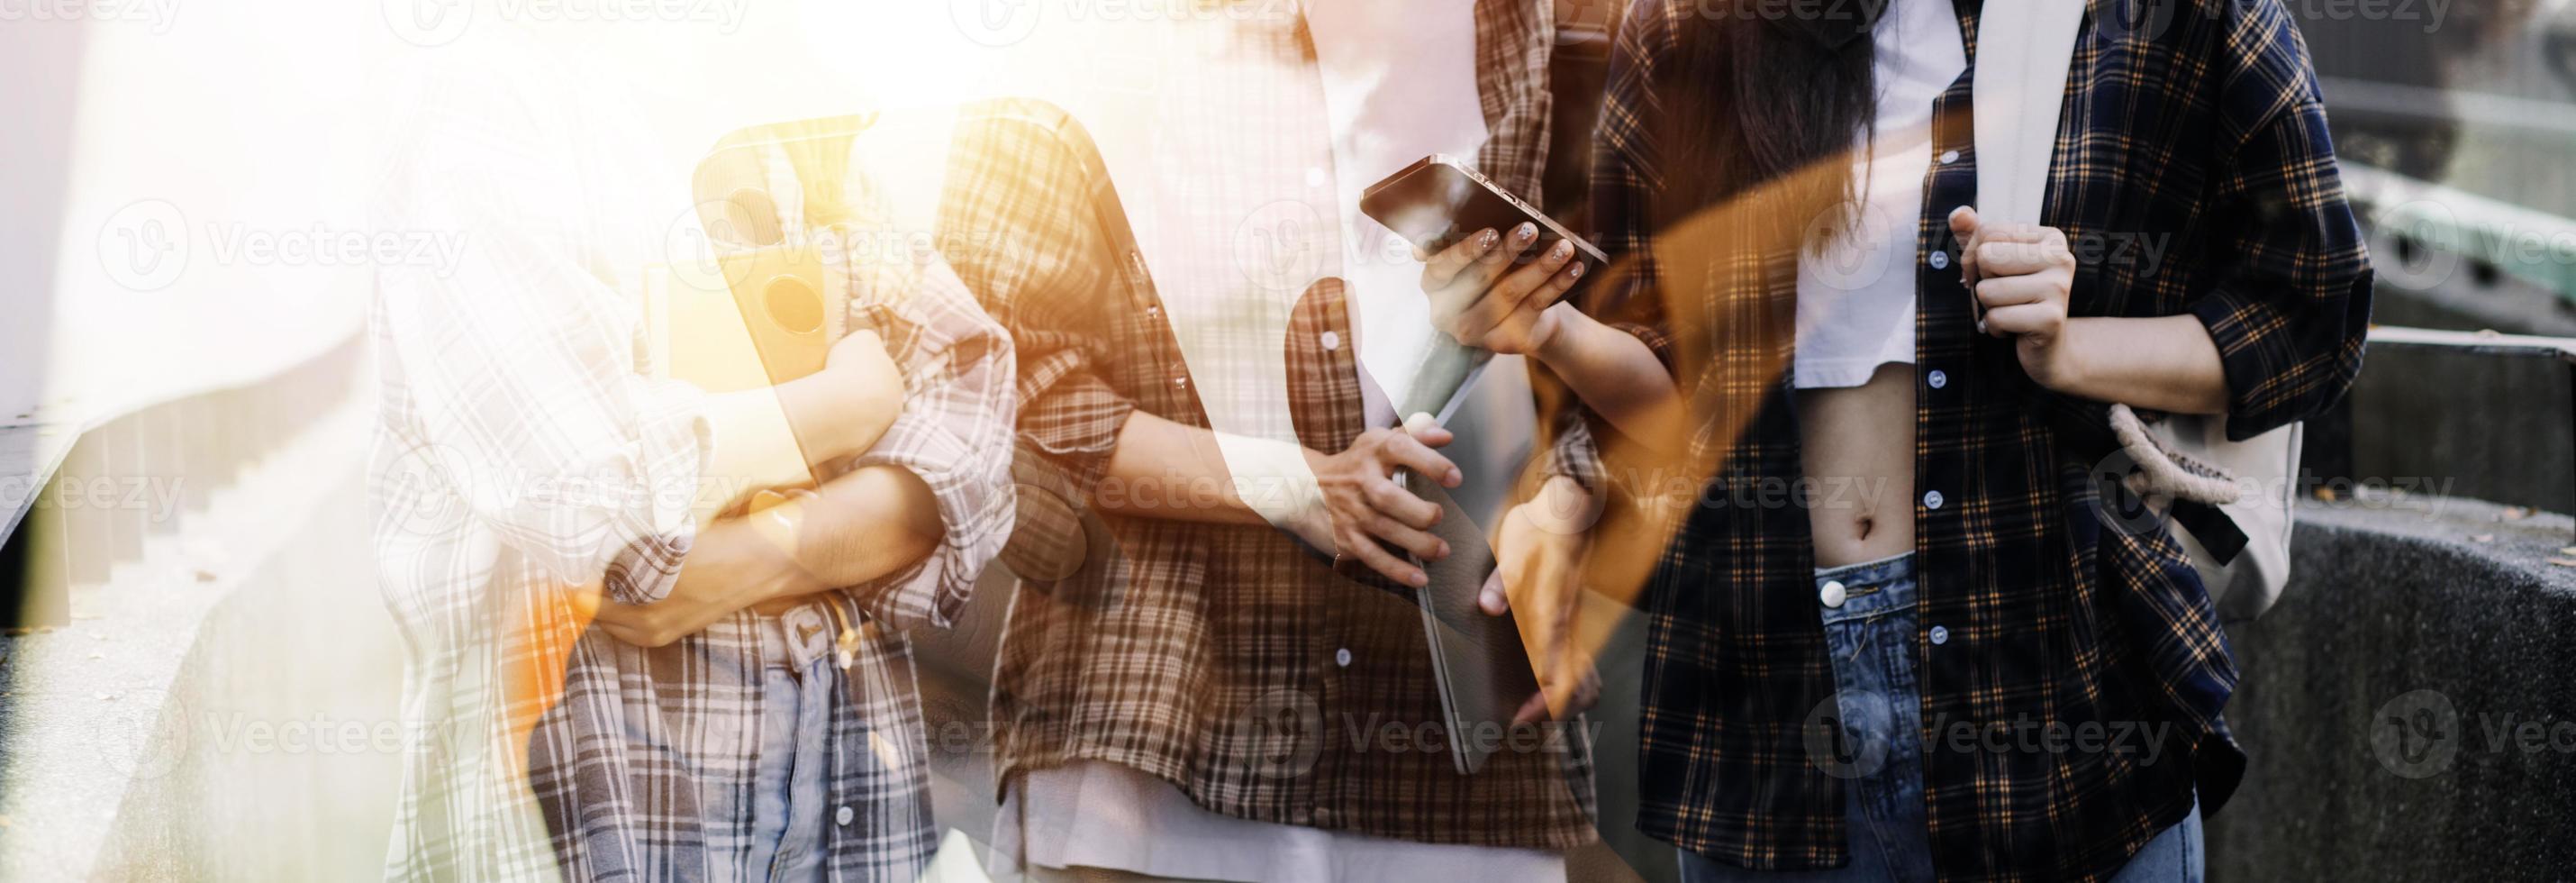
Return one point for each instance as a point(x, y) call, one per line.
point(1940, 635)
point(1832, 593)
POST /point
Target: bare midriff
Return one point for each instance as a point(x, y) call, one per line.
point(1859, 449)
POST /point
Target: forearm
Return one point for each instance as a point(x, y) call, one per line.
point(2166, 364)
point(1613, 372)
point(1167, 470)
point(776, 437)
point(865, 525)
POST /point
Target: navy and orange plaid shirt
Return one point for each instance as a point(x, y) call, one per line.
point(2203, 135)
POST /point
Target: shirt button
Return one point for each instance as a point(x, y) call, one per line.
point(1940, 635)
point(843, 816)
point(1949, 156)
point(1832, 594)
point(1315, 176)
point(1342, 657)
point(1940, 260)
point(1180, 383)
point(1155, 312)
point(1332, 341)
point(1938, 379)
point(1931, 499)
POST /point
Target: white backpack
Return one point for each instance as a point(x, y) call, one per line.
point(2024, 49)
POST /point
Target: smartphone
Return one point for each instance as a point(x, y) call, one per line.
point(1439, 200)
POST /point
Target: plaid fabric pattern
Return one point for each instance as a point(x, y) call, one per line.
point(524, 453)
point(1228, 660)
point(2203, 136)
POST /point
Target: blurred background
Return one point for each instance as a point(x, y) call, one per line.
point(200, 680)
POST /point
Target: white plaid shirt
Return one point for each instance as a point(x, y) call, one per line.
point(525, 452)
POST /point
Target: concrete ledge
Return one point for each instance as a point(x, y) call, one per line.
point(2410, 707)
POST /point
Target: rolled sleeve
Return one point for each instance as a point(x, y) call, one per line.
point(2290, 314)
point(1044, 268)
point(955, 434)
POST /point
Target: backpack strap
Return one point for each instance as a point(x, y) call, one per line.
point(2025, 49)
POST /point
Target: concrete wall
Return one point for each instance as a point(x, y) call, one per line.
point(2410, 707)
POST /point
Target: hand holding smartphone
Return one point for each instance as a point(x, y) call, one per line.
point(1494, 266)
point(1439, 200)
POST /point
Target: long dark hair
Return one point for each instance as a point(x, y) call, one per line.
point(1763, 104)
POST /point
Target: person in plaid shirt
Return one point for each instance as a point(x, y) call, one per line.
point(531, 475)
point(1896, 631)
point(1186, 688)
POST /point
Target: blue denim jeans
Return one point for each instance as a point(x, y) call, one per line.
point(795, 723)
point(1880, 752)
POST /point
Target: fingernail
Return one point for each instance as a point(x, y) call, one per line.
point(1577, 272)
point(1486, 239)
point(1562, 250)
point(1526, 232)
point(1416, 578)
point(1444, 550)
point(1453, 478)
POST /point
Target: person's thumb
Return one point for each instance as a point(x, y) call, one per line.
point(1963, 222)
point(1426, 429)
point(1492, 597)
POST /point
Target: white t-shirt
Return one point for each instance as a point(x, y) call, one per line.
point(1856, 296)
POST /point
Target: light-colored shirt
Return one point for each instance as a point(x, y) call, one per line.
point(1856, 297)
point(525, 453)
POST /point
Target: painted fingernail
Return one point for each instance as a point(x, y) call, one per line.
point(1486, 239)
point(1576, 271)
point(1526, 232)
point(1562, 250)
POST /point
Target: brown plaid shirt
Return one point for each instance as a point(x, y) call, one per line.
point(2202, 134)
point(1227, 660)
